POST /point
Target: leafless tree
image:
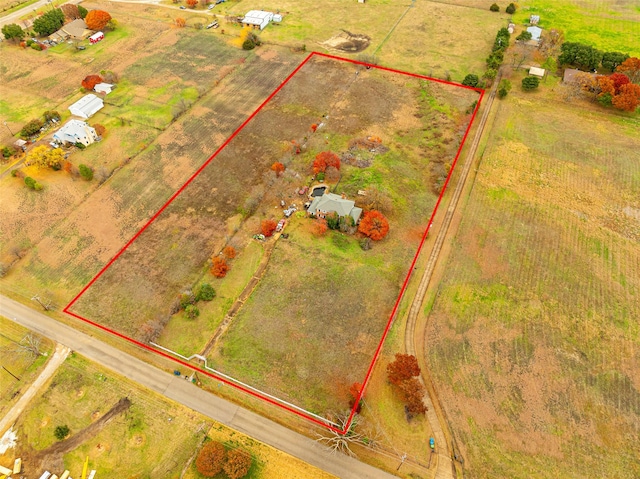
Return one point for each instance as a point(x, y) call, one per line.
point(30, 345)
point(16, 251)
point(341, 443)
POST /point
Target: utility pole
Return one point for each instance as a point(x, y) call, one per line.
point(5, 124)
point(37, 299)
point(402, 459)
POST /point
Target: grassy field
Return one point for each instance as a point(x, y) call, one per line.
point(609, 25)
point(20, 364)
point(533, 337)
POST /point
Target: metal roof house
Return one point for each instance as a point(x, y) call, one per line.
point(86, 106)
point(332, 203)
point(257, 19)
point(76, 131)
point(103, 88)
point(535, 32)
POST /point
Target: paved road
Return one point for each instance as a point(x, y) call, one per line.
point(15, 16)
point(177, 389)
point(56, 360)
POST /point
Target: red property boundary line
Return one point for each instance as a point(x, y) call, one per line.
point(327, 424)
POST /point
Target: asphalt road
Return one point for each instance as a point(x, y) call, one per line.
point(177, 389)
point(15, 16)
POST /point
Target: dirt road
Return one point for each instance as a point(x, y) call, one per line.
point(56, 360)
point(176, 389)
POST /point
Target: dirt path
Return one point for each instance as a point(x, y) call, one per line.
point(56, 360)
point(444, 449)
point(243, 296)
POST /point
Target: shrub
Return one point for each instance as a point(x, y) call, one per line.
point(192, 311)
point(511, 9)
point(333, 221)
point(524, 36)
point(36, 46)
point(8, 151)
point(220, 267)
point(494, 8)
point(530, 83)
point(51, 115)
point(60, 432)
point(210, 459)
point(82, 11)
point(320, 176)
point(503, 88)
point(248, 44)
point(319, 227)
point(471, 80)
point(205, 292)
point(33, 184)
point(86, 172)
point(186, 299)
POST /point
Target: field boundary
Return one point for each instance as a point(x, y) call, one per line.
point(226, 379)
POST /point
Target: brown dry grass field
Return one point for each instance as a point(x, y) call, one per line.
point(533, 339)
point(319, 352)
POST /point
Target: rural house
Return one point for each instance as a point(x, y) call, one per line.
point(76, 29)
point(257, 19)
point(105, 88)
point(76, 131)
point(86, 106)
point(329, 203)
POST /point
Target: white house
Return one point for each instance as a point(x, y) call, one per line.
point(76, 131)
point(257, 18)
point(103, 88)
point(86, 106)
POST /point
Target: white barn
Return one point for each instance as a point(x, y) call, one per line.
point(86, 106)
point(103, 88)
point(257, 18)
point(76, 131)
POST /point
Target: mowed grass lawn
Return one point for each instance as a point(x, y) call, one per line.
point(534, 335)
point(152, 438)
point(609, 25)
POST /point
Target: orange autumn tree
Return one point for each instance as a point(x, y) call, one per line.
point(631, 68)
point(628, 99)
point(229, 252)
point(278, 168)
point(374, 225)
point(211, 459)
point(97, 19)
point(219, 267)
point(91, 81)
point(268, 227)
point(180, 22)
point(324, 160)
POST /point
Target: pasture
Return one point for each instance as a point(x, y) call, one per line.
point(533, 337)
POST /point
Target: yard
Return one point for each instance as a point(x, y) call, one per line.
point(533, 336)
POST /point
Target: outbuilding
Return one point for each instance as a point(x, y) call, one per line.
point(536, 33)
point(537, 72)
point(257, 19)
point(86, 106)
point(96, 37)
point(104, 88)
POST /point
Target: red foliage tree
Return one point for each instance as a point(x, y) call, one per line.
point(211, 459)
point(374, 225)
point(412, 392)
point(324, 160)
point(192, 3)
point(91, 81)
point(97, 19)
point(314, 127)
point(219, 267)
point(631, 68)
point(628, 99)
point(229, 252)
point(618, 80)
point(278, 168)
point(268, 227)
point(319, 227)
point(404, 367)
point(238, 464)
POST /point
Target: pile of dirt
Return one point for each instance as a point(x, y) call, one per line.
point(348, 42)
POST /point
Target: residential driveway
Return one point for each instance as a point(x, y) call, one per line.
point(177, 389)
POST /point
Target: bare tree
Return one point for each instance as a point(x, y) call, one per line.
point(16, 251)
point(341, 443)
point(30, 345)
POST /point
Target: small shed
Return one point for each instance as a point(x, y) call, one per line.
point(105, 88)
point(537, 72)
point(257, 19)
point(86, 106)
point(534, 19)
point(536, 33)
point(20, 144)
